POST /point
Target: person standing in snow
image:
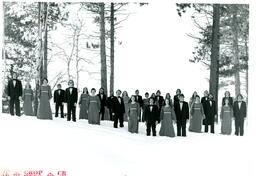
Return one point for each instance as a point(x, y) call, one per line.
point(210, 113)
point(133, 115)
point(59, 98)
point(94, 108)
point(14, 93)
point(118, 110)
point(71, 97)
point(83, 104)
point(28, 98)
point(103, 103)
point(151, 117)
point(226, 116)
point(239, 110)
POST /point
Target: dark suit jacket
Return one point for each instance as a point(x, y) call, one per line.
point(59, 98)
point(239, 113)
point(181, 114)
point(160, 101)
point(230, 101)
point(14, 92)
point(203, 101)
point(210, 112)
point(71, 98)
point(103, 101)
point(139, 100)
point(118, 108)
point(152, 116)
point(175, 100)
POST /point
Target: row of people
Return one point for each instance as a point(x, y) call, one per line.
point(98, 107)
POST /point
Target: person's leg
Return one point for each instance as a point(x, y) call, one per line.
point(212, 127)
point(206, 128)
point(184, 130)
point(154, 129)
point(148, 129)
point(11, 106)
point(115, 118)
point(242, 127)
point(73, 113)
point(56, 109)
point(102, 113)
point(17, 107)
point(61, 111)
point(236, 127)
point(69, 112)
point(178, 129)
point(121, 120)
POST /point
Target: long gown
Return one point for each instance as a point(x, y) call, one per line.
point(44, 109)
point(167, 115)
point(226, 116)
point(28, 98)
point(126, 106)
point(133, 113)
point(94, 110)
point(145, 103)
point(196, 120)
point(84, 103)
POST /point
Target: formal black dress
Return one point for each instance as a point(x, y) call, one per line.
point(239, 110)
point(71, 97)
point(151, 117)
point(59, 98)
point(182, 115)
point(14, 91)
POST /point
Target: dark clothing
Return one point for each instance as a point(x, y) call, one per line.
point(210, 112)
point(14, 92)
point(176, 100)
point(118, 110)
point(203, 101)
point(240, 115)
point(160, 101)
point(230, 101)
point(103, 104)
point(110, 106)
point(151, 117)
point(71, 99)
point(182, 115)
point(139, 100)
point(59, 98)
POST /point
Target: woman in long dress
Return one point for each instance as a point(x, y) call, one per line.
point(126, 104)
point(168, 96)
point(83, 104)
point(197, 116)
point(133, 115)
point(167, 116)
point(227, 96)
point(45, 94)
point(28, 98)
point(145, 104)
point(226, 117)
point(94, 108)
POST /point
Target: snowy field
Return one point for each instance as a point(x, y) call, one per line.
point(81, 149)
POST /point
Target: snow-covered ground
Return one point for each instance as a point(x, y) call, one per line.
point(28, 144)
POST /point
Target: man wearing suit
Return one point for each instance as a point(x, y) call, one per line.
point(103, 102)
point(176, 97)
point(159, 100)
point(182, 114)
point(71, 97)
point(59, 98)
point(210, 113)
point(110, 104)
point(14, 93)
point(205, 99)
point(118, 110)
point(151, 117)
point(239, 110)
point(139, 100)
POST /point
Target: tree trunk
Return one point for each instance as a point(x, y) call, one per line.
point(236, 50)
point(112, 46)
point(45, 40)
point(103, 48)
point(214, 67)
point(77, 61)
point(246, 71)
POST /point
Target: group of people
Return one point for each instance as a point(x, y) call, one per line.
point(152, 110)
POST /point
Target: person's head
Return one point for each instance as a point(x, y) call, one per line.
point(210, 96)
point(45, 81)
point(153, 95)
point(124, 94)
point(158, 92)
point(151, 100)
point(14, 75)
point(239, 97)
point(197, 99)
point(59, 86)
point(101, 90)
point(71, 83)
point(118, 92)
point(133, 98)
point(85, 90)
point(194, 94)
point(178, 91)
point(227, 94)
point(168, 96)
point(181, 97)
point(111, 93)
point(137, 92)
point(167, 102)
point(146, 94)
point(93, 91)
point(226, 101)
point(27, 86)
point(206, 93)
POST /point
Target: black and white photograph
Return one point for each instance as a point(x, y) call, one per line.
point(127, 88)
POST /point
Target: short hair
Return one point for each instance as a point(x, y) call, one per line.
point(70, 81)
point(93, 89)
point(181, 95)
point(240, 95)
point(158, 91)
point(119, 91)
point(146, 93)
point(58, 85)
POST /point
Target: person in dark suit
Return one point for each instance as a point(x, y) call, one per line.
point(14, 93)
point(151, 117)
point(210, 113)
point(59, 99)
point(71, 97)
point(138, 99)
point(204, 100)
point(239, 110)
point(227, 96)
point(103, 102)
point(118, 109)
point(159, 100)
point(110, 105)
point(176, 97)
point(182, 115)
